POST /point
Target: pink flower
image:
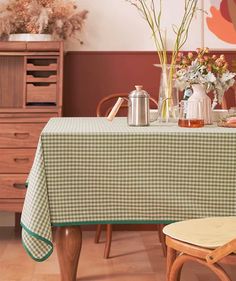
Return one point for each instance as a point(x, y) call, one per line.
point(209, 68)
point(190, 55)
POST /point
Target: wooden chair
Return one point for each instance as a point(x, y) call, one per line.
point(103, 109)
point(210, 242)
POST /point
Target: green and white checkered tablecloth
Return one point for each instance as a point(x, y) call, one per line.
point(90, 170)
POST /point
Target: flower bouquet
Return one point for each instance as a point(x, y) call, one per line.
point(60, 18)
point(211, 71)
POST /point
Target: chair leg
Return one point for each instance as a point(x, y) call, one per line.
point(108, 241)
point(98, 233)
point(171, 256)
point(162, 238)
point(176, 267)
point(175, 271)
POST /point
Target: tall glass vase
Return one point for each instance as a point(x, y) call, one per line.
point(218, 99)
point(168, 102)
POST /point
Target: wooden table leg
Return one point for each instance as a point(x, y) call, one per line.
point(17, 223)
point(68, 243)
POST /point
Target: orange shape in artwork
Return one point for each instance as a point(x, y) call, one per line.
point(222, 28)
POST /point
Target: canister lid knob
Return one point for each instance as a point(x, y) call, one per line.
point(138, 87)
point(138, 92)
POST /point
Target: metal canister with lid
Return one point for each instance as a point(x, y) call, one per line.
point(138, 111)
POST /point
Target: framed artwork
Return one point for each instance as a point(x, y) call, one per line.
point(219, 30)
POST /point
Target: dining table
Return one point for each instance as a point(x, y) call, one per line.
point(88, 170)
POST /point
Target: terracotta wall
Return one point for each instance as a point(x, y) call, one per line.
point(89, 76)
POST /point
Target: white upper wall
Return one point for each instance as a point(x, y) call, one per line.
point(116, 25)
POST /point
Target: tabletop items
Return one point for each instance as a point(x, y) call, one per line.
point(193, 111)
point(218, 114)
point(138, 107)
point(228, 121)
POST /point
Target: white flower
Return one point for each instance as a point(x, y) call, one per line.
point(210, 77)
point(226, 76)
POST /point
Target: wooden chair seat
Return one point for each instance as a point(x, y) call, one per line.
point(209, 241)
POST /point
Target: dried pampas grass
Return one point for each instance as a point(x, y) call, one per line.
point(61, 18)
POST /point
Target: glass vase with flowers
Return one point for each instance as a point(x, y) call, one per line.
point(151, 11)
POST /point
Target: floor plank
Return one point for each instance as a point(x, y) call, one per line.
point(135, 256)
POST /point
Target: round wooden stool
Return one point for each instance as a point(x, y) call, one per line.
point(208, 241)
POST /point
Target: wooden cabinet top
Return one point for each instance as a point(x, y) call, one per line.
point(30, 46)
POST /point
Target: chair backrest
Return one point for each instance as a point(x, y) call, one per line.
point(105, 105)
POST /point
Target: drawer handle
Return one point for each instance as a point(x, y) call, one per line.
point(21, 160)
point(19, 185)
point(21, 135)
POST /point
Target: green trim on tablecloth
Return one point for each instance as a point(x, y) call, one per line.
point(35, 235)
point(111, 222)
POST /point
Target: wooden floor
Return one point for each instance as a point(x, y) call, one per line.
point(135, 256)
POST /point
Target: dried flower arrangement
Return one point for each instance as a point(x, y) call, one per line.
point(61, 18)
point(202, 68)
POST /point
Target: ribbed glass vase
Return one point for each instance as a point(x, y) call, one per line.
point(168, 101)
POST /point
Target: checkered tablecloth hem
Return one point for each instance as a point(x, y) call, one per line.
point(33, 252)
point(74, 223)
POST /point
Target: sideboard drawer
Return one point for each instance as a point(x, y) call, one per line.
point(16, 161)
point(42, 94)
point(20, 134)
point(40, 46)
point(13, 186)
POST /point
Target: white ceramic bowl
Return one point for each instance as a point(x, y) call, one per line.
point(30, 37)
point(153, 115)
point(218, 114)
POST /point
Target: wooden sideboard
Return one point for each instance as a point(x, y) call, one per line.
point(31, 79)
